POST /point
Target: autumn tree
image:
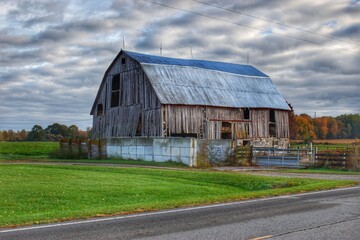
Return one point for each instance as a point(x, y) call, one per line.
point(333, 128)
point(321, 127)
point(305, 127)
point(293, 126)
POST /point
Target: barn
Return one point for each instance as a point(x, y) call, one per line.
point(147, 96)
point(159, 108)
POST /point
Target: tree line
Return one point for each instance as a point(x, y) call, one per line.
point(304, 127)
point(53, 132)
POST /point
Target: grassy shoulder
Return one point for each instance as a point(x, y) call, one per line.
point(42, 193)
point(320, 171)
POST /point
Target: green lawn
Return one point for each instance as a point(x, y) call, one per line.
point(28, 148)
point(320, 171)
point(41, 193)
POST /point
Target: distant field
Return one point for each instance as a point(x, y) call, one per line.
point(42, 193)
point(329, 141)
point(325, 144)
point(337, 141)
point(28, 148)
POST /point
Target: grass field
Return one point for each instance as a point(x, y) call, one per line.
point(42, 193)
point(28, 148)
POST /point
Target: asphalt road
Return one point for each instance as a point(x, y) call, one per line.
point(333, 214)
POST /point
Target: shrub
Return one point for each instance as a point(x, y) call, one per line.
point(202, 157)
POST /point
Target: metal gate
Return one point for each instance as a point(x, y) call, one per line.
point(278, 157)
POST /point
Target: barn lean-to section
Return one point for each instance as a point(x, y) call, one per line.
point(144, 95)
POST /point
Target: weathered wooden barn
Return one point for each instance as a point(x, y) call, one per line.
point(145, 95)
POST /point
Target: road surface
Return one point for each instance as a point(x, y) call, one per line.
point(333, 214)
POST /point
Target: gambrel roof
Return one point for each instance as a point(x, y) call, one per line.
point(208, 83)
point(247, 70)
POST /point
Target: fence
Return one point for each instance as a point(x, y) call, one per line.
point(343, 158)
point(72, 149)
point(97, 149)
point(81, 148)
point(331, 159)
point(280, 157)
point(347, 158)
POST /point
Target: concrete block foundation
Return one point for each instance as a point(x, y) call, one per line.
point(183, 150)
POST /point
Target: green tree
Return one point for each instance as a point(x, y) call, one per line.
point(73, 131)
point(58, 130)
point(349, 125)
point(37, 133)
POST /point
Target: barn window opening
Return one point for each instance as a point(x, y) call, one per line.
point(225, 130)
point(247, 113)
point(184, 135)
point(123, 61)
point(272, 124)
point(272, 116)
point(272, 130)
point(139, 126)
point(115, 90)
point(100, 110)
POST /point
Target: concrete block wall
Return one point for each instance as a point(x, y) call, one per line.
point(183, 150)
point(153, 149)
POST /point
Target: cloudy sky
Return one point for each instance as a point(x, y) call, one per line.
point(53, 54)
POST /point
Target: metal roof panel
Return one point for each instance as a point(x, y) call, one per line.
point(196, 86)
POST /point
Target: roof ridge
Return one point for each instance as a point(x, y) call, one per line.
point(240, 69)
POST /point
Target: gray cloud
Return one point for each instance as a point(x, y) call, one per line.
point(54, 54)
point(349, 31)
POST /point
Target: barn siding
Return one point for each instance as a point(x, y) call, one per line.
point(259, 126)
point(137, 99)
point(282, 124)
point(206, 122)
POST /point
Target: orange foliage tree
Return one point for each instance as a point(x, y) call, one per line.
point(305, 127)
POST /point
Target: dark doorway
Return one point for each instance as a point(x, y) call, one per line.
point(225, 130)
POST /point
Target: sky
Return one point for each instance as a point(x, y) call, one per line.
point(53, 54)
